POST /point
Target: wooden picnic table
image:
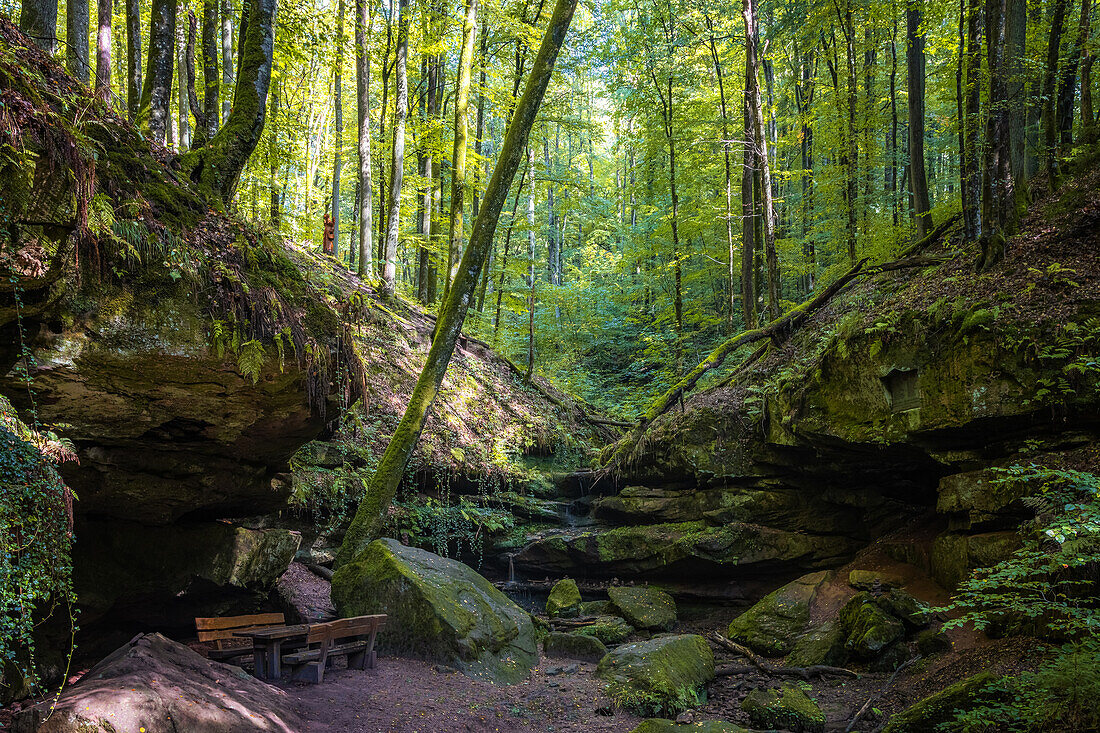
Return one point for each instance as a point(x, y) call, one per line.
point(267, 646)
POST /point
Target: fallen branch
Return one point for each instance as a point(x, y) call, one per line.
point(806, 673)
point(760, 665)
point(878, 695)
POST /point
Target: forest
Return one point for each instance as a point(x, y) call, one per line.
point(645, 365)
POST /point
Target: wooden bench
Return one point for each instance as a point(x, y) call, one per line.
point(350, 637)
point(218, 629)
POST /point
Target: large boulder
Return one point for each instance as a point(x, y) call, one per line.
point(168, 575)
point(439, 609)
point(644, 607)
point(155, 684)
point(608, 629)
point(665, 674)
point(771, 626)
point(940, 707)
point(564, 599)
point(785, 708)
point(574, 646)
point(822, 644)
point(870, 630)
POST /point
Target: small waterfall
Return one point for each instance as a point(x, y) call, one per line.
point(511, 568)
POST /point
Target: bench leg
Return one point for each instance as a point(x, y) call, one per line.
point(313, 672)
point(275, 671)
point(259, 656)
point(358, 660)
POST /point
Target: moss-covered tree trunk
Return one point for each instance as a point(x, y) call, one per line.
point(367, 523)
point(38, 19)
point(216, 168)
point(458, 168)
point(133, 56)
point(156, 93)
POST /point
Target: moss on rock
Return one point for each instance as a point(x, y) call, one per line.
point(439, 609)
point(662, 675)
point(771, 626)
point(608, 629)
point(822, 644)
point(870, 630)
point(644, 607)
point(574, 646)
point(916, 614)
point(786, 708)
point(564, 600)
point(925, 715)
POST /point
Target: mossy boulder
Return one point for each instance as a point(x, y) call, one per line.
point(870, 630)
point(439, 609)
point(822, 644)
point(574, 646)
point(925, 715)
point(596, 608)
point(645, 505)
point(892, 657)
point(771, 626)
point(664, 725)
point(955, 553)
point(785, 708)
point(874, 580)
point(933, 641)
point(644, 607)
point(608, 629)
point(564, 600)
point(916, 614)
point(665, 674)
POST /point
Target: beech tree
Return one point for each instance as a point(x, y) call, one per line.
point(401, 108)
point(383, 486)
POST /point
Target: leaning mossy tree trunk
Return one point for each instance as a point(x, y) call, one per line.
point(216, 168)
point(367, 523)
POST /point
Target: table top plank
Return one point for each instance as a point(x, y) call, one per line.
point(276, 632)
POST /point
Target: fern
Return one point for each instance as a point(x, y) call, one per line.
point(250, 359)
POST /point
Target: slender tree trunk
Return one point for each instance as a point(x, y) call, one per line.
point(458, 166)
point(726, 142)
point(104, 12)
point(804, 97)
point(531, 273)
point(1088, 119)
point(892, 163)
point(752, 84)
point(383, 192)
point(182, 99)
point(1067, 91)
point(77, 17)
point(553, 237)
point(748, 212)
point(206, 123)
point(425, 208)
point(362, 88)
point(272, 154)
point(998, 195)
point(401, 103)
point(368, 518)
point(504, 262)
point(156, 93)
point(38, 19)
point(228, 67)
point(914, 62)
point(1018, 71)
point(971, 117)
point(338, 128)
point(1050, 102)
point(133, 56)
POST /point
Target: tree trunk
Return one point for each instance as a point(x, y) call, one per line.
point(272, 154)
point(1050, 77)
point(752, 85)
point(748, 212)
point(971, 178)
point(892, 163)
point(227, 59)
point(504, 262)
point(401, 103)
point(38, 19)
point(530, 263)
point(338, 128)
point(914, 64)
point(367, 523)
point(104, 11)
point(458, 166)
point(216, 168)
point(206, 118)
point(182, 99)
point(1088, 119)
point(362, 89)
point(76, 39)
point(1068, 88)
point(133, 56)
point(156, 93)
point(998, 195)
point(726, 142)
point(426, 206)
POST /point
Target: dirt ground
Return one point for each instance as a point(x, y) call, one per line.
point(410, 696)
